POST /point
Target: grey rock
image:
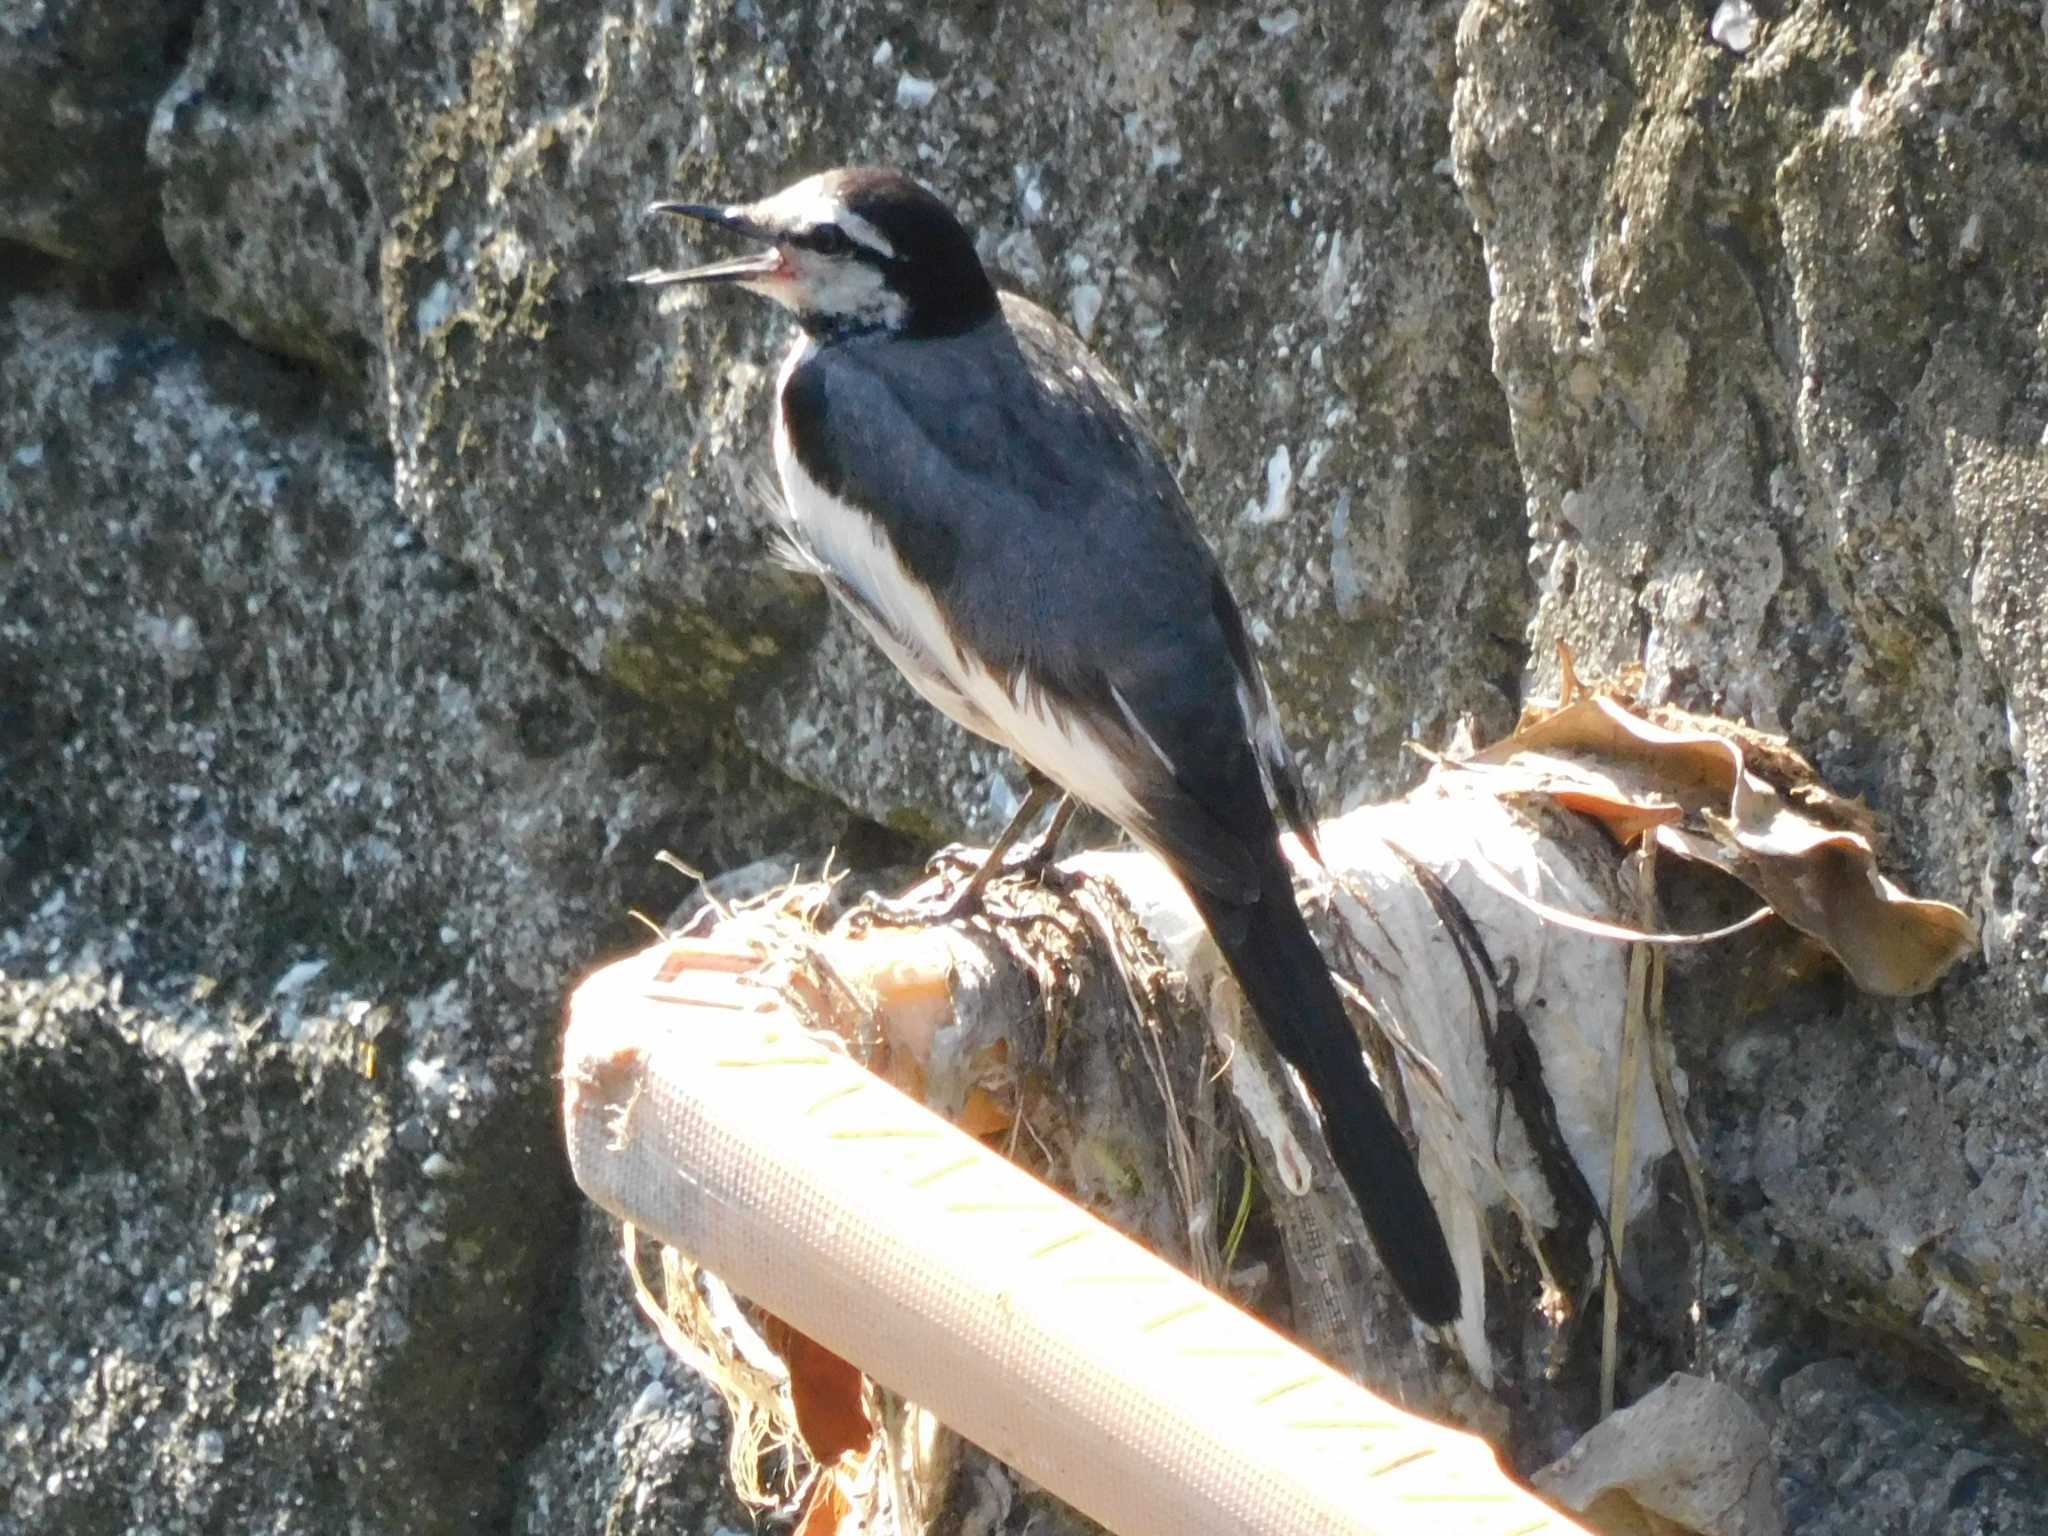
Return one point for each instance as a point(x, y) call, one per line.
point(304, 832)
point(272, 173)
point(1860, 1455)
point(546, 433)
point(632, 1442)
point(1862, 1442)
point(1692, 1452)
point(79, 80)
point(229, 1255)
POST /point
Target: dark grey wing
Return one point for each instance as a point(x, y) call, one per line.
point(1019, 487)
point(1276, 759)
point(1230, 706)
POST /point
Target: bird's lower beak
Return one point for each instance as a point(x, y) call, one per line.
point(737, 269)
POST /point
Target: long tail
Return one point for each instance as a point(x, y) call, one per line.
point(1274, 957)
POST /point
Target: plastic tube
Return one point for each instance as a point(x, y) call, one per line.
point(699, 1108)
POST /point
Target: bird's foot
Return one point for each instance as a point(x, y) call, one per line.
point(957, 859)
point(948, 905)
point(931, 908)
point(1037, 866)
point(875, 910)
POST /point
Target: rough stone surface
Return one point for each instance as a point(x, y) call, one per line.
point(633, 1442)
point(1471, 326)
point(295, 1233)
point(270, 165)
point(78, 82)
point(304, 834)
point(1865, 1442)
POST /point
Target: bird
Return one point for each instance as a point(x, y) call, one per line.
point(983, 496)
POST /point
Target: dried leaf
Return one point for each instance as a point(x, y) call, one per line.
point(1747, 804)
point(830, 1512)
point(827, 1393)
point(846, 1500)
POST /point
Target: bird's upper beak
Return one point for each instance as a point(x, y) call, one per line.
point(738, 269)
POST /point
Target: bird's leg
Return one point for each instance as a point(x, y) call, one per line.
point(968, 902)
point(1039, 860)
point(956, 855)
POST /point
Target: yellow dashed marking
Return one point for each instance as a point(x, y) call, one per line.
point(1363, 1426)
point(1394, 1464)
point(886, 1133)
point(939, 1173)
point(1281, 1391)
point(835, 1096)
point(772, 1061)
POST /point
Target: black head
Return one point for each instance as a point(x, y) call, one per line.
point(851, 250)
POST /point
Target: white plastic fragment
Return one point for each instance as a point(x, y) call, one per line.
point(1734, 25)
point(1084, 304)
point(1279, 491)
point(914, 93)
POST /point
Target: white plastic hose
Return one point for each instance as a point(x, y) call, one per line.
point(699, 1109)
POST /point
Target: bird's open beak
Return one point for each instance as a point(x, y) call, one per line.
point(738, 269)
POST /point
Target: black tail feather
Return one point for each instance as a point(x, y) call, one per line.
point(1274, 957)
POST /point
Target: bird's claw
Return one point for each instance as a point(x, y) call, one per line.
point(946, 905)
point(967, 902)
point(877, 911)
point(957, 857)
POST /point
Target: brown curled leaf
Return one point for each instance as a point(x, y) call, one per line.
point(1749, 805)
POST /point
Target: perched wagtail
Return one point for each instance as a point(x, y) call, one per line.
point(979, 491)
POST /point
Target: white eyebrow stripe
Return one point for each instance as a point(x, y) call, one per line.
point(808, 204)
point(804, 203)
point(858, 228)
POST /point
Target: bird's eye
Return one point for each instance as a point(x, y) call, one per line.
point(830, 240)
